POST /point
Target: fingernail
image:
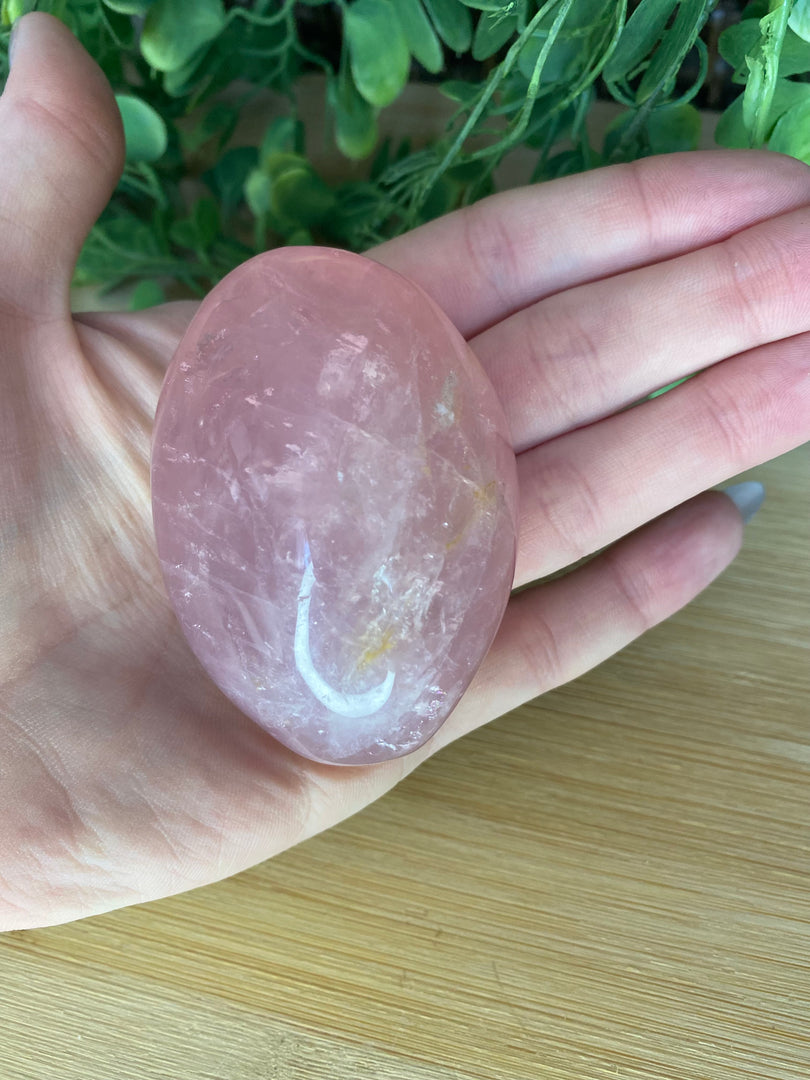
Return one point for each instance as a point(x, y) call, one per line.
point(747, 497)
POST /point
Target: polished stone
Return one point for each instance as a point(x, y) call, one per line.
point(335, 502)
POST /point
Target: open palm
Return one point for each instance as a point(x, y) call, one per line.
point(125, 774)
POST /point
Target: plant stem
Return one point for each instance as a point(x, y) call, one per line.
point(494, 81)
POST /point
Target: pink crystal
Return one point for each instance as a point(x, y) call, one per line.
point(335, 498)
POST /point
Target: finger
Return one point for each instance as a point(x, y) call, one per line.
point(558, 631)
point(509, 250)
point(154, 332)
point(61, 153)
point(589, 351)
point(584, 490)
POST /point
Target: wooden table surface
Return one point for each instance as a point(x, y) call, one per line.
point(613, 881)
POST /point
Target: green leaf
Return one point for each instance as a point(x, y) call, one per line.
point(355, 119)
point(640, 34)
point(175, 29)
point(183, 80)
point(453, 23)
point(220, 122)
point(144, 129)
point(12, 10)
point(358, 203)
point(279, 161)
point(227, 178)
point(403, 150)
point(583, 15)
point(300, 195)
point(614, 134)
point(461, 91)
point(739, 40)
point(491, 34)
point(122, 247)
point(120, 27)
point(257, 192)
point(537, 130)
point(566, 163)
point(586, 14)
point(794, 58)
point(206, 218)
point(129, 7)
point(146, 294)
point(676, 43)
point(378, 52)
point(440, 199)
point(799, 21)
point(791, 135)
point(199, 230)
point(420, 35)
point(672, 128)
point(299, 238)
point(284, 134)
point(731, 130)
point(468, 172)
point(183, 234)
point(381, 159)
point(562, 60)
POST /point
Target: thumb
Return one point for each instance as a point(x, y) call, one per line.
point(61, 155)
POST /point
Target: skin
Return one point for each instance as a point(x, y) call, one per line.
point(125, 775)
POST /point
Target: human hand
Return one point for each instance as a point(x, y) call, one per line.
point(125, 775)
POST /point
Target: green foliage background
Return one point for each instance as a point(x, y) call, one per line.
point(170, 62)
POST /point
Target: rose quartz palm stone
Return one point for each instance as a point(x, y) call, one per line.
point(335, 501)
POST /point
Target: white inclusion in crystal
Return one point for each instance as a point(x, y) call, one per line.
point(364, 704)
point(381, 574)
point(444, 410)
